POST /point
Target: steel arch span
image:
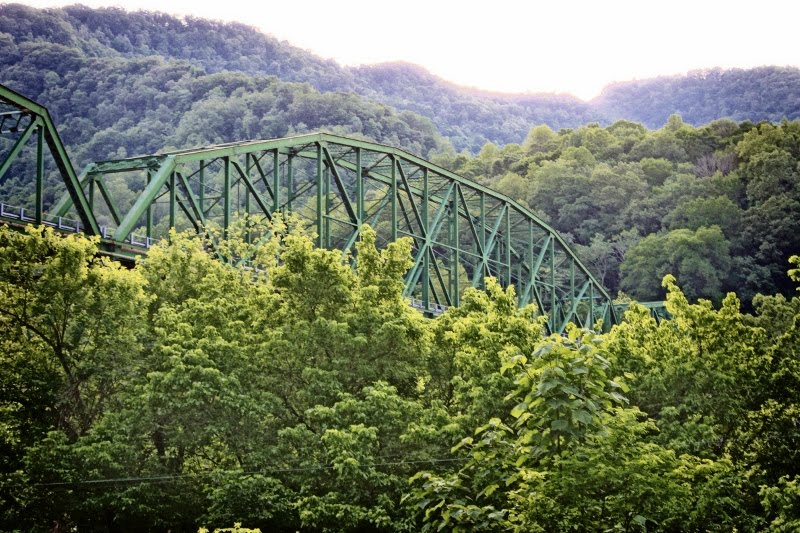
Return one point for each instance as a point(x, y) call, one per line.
point(461, 231)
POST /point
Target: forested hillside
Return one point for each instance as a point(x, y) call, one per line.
point(109, 106)
point(717, 206)
point(764, 93)
point(305, 395)
point(467, 117)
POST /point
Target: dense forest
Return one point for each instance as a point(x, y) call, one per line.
point(764, 93)
point(469, 118)
point(306, 395)
point(717, 206)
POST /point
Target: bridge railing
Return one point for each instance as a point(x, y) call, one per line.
point(69, 225)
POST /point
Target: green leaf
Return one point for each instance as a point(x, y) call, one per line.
point(464, 442)
point(519, 409)
point(619, 397)
point(488, 491)
point(582, 416)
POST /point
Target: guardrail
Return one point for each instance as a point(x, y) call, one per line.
point(434, 308)
point(69, 225)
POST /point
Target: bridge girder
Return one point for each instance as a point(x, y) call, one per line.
point(461, 231)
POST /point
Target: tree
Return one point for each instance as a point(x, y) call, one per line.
point(77, 312)
point(700, 259)
point(72, 329)
point(572, 456)
point(718, 211)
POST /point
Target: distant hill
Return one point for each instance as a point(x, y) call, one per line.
point(468, 118)
point(113, 104)
point(764, 93)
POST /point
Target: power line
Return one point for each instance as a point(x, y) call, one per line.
point(175, 477)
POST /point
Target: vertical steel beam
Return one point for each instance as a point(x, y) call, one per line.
point(393, 197)
point(320, 191)
point(91, 193)
point(289, 182)
point(426, 257)
point(149, 213)
point(327, 192)
point(482, 224)
point(508, 246)
point(201, 198)
point(39, 173)
point(247, 167)
point(456, 256)
point(173, 197)
point(483, 220)
point(226, 198)
point(247, 194)
point(552, 285)
point(276, 181)
point(359, 190)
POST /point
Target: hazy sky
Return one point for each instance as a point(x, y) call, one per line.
point(572, 46)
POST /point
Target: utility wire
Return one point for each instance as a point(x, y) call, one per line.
point(175, 477)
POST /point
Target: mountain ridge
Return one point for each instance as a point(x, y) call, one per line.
point(469, 117)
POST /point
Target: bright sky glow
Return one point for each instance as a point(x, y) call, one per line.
point(564, 46)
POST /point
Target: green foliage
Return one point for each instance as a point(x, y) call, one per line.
point(75, 314)
point(782, 503)
point(233, 388)
point(701, 259)
point(560, 394)
point(208, 394)
point(574, 457)
point(794, 273)
point(603, 187)
point(304, 393)
point(121, 84)
point(705, 95)
point(473, 342)
point(467, 117)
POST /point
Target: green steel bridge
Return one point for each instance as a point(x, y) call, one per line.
point(461, 231)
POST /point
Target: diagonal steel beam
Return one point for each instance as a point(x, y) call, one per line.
point(144, 200)
point(17, 148)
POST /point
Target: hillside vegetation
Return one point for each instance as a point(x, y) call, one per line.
point(764, 93)
point(469, 118)
point(305, 394)
point(717, 206)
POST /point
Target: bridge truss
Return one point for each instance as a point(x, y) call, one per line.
point(461, 231)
